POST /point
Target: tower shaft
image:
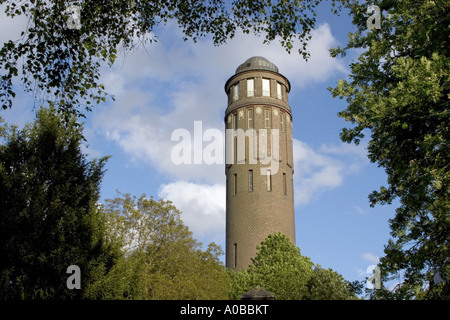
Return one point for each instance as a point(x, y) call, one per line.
point(259, 168)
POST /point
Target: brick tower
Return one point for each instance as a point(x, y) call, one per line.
point(259, 160)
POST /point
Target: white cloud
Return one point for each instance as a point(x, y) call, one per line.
point(314, 173)
point(10, 28)
point(320, 65)
point(145, 133)
point(360, 210)
point(346, 148)
point(173, 83)
point(369, 257)
point(202, 206)
point(355, 155)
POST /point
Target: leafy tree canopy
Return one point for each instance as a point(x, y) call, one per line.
point(161, 258)
point(280, 268)
point(399, 92)
point(48, 212)
point(55, 60)
point(51, 218)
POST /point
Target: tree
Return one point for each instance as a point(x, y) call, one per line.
point(326, 284)
point(51, 219)
point(48, 212)
point(399, 92)
point(280, 268)
point(62, 51)
point(161, 258)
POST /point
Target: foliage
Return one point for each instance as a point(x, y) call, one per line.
point(326, 284)
point(280, 268)
point(61, 64)
point(50, 219)
point(399, 91)
point(48, 214)
point(161, 258)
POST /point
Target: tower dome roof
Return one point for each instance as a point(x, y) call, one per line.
point(257, 63)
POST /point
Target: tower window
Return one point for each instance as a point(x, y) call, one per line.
point(236, 92)
point(235, 150)
point(235, 122)
point(269, 181)
point(279, 95)
point(235, 255)
point(235, 184)
point(250, 180)
point(267, 118)
point(266, 87)
point(282, 120)
point(250, 119)
point(250, 87)
point(284, 184)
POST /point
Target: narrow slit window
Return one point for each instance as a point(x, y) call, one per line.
point(235, 255)
point(282, 120)
point(250, 87)
point(267, 118)
point(235, 150)
point(236, 92)
point(250, 180)
point(250, 119)
point(235, 184)
point(279, 95)
point(235, 117)
point(269, 181)
point(266, 87)
point(284, 184)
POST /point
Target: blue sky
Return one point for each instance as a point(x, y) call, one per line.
point(172, 83)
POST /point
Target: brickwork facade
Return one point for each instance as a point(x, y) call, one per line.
point(258, 203)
